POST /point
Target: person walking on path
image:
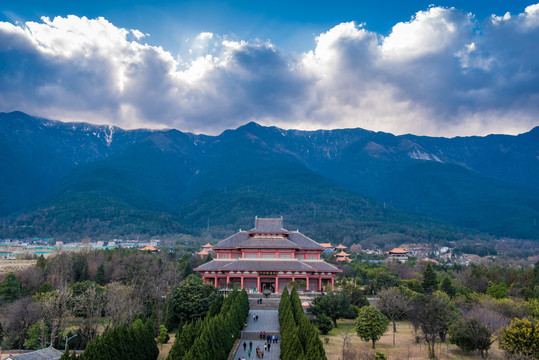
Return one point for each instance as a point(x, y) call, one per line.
point(249, 352)
point(244, 345)
point(250, 345)
point(269, 346)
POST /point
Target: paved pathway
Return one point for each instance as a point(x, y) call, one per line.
point(272, 354)
point(268, 321)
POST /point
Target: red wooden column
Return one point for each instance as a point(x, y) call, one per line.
point(320, 283)
point(227, 280)
point(277, 284)
point(307, 288)
point(216, 282)
point(332, 283)
point(242, 281)
point(258, 284)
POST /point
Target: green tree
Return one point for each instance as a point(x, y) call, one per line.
point(163, 337)
point(65, 355)
point(334, 305)
point(10, 288)
point(190, 300)
point(430, 279)
point(470, 335)
point(36, 337)
point(497, 291)
point(357, 296)
point(324, 323)
point(371, 324)
point(448, 287)
point(521, 338)
point(383, 281)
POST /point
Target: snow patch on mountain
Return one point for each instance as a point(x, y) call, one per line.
point(419, 154)
point(108, 136)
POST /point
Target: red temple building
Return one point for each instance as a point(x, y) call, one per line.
point(268, 257)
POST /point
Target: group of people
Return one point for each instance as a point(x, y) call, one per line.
point(270, 338)
point(258, 351)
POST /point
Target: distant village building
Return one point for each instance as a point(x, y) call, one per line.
point(268, 257)
point(399, 254)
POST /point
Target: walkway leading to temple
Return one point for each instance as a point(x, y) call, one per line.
point(268, 321)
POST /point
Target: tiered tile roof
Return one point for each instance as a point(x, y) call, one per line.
point(266, 265)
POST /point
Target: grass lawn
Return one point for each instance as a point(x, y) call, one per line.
point(405, 346)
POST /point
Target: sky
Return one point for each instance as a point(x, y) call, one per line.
point(441, 69)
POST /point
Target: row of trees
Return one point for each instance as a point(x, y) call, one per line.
point(213, 336)
point(127, 342)
point(300, 339)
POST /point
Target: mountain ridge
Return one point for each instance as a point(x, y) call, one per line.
point(166, 171)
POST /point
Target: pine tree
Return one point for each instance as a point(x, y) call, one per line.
point(430, 279)
point(10, 288)
point(448, 287)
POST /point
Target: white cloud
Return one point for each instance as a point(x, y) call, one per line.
point(441, 73)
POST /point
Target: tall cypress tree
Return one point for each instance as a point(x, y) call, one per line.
point(100, 274)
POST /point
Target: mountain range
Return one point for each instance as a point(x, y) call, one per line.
point(71, 180)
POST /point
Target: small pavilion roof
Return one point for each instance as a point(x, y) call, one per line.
point(326, 245)
point(207, 245)
point(341, 246)
point(148, 248)
point(342, 253)
point(203, 252)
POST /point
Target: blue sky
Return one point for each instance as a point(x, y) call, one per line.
point(291, 25)
point(396, 66)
